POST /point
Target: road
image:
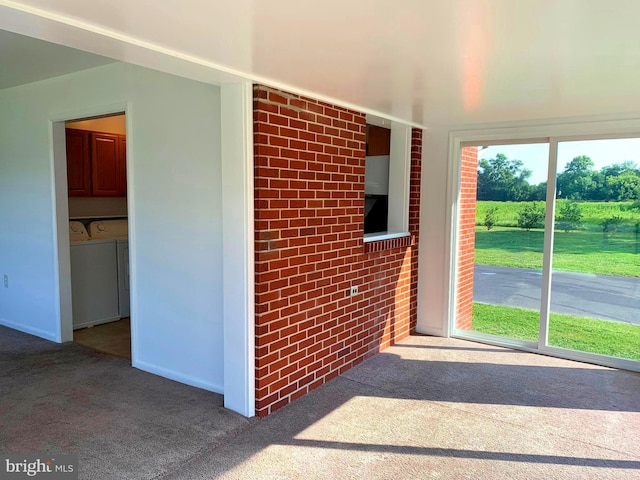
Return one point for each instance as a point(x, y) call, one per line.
point(583, 294)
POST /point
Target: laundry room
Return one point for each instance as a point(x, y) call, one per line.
point(98, 233)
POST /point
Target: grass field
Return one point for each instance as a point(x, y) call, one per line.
point(579, 251)
point(616, 339)
point(587, 250)
point(593, 213)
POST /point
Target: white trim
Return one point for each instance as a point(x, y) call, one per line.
point(594, 358)
point(132, 234)
point(238, 247)
point(399, 178)
point(61, 244)
point(490, 339)
point(557, 352)
point(435, 332)
point(493, 142)
point(46, 334)
point(178, 377)
point(564, 131)
point(93, 323)
point(374, 237)
point(452, 226)
point(547, 252)
point(104, 110)
point(380, 121)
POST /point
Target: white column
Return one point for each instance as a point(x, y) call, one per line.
point(238, 247)
point(435, 253)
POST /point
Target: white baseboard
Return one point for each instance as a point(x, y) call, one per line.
point(178, 377)
point(93, 323)
point(435, 332)
point(30, 330)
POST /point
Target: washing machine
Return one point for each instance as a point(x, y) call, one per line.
point(117, 230)
point(94, 278)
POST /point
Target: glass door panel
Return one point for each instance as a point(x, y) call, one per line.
point(595, 282)
point(509, 238)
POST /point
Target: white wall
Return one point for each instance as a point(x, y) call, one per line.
point(173, 131)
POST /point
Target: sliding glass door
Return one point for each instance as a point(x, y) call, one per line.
point(549, 247)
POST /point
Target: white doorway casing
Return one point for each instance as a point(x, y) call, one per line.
point(61, 214)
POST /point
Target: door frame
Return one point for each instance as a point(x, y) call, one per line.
point(60, 201)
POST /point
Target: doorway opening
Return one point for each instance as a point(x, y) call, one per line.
point(548, 252)
point(98, 232)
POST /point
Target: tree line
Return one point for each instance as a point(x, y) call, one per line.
point(502, 179)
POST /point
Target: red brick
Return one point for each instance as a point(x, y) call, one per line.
point(309, 218)
point(277, 98)
point(464, 294)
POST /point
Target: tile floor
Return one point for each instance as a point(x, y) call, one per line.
point(113, 338)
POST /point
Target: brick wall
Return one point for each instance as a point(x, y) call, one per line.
point(309, 207)
point(466, 237)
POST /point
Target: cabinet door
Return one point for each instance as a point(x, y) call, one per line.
point(78, 163)
point(105, 165)
point(122, 165)
point(378, 141)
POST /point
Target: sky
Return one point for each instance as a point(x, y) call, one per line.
point(535, 156)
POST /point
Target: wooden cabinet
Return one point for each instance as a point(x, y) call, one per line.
point(78, 163)
point(105, 165)
point(96, 164)
point(378, 141)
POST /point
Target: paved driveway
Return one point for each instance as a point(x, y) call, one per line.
point(587, 295)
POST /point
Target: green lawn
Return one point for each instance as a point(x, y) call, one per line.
point(616, 339)
point(587, 250)
point(579, 251)
point(593, 213)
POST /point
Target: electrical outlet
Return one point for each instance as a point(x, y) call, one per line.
point(6, 281)
point(354, 291)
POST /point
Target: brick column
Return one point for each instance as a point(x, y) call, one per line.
point(466, 237)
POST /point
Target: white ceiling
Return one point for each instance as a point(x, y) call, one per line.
point(432, 62)
point(26, 60)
